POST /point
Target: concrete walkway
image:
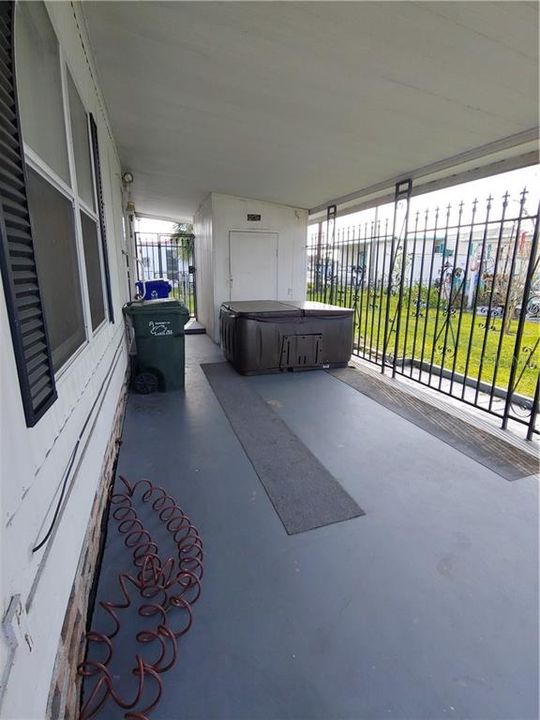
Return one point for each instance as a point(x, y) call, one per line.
point(425, 608)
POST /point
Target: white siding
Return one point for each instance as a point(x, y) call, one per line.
point(33, 461)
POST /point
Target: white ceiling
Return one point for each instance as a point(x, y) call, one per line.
point(301, 102)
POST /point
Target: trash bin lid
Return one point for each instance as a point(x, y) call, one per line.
point(161, 305)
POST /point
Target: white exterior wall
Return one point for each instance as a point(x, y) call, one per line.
point(204, 264)
point(34, 460)
point(229, 213)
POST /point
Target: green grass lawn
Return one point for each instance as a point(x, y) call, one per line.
point(188, 301)
point(417, 336)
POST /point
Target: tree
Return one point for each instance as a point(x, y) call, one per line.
point(183, 236)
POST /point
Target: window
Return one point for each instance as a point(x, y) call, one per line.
point(39, 86)
point(60, 191)
point(57, 264)
point(85, 190)
point(81, 146)
point(93, 269)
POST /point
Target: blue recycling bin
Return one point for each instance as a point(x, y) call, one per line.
point(153, 289)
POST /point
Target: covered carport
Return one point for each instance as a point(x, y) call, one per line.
point(302, 103)
point(229, 114)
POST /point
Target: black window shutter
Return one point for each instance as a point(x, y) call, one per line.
point(17, 261)
point(101, 210)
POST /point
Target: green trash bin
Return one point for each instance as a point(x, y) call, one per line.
point(159, 339)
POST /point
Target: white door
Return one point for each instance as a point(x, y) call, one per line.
point(253, 265)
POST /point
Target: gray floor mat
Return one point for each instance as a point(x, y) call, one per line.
point(304, 494)
point(506, 460)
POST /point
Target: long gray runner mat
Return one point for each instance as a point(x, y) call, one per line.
point(505, 459)
point(304, 494)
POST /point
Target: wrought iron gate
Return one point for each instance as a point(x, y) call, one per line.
point(448, 297)
point(172, 258)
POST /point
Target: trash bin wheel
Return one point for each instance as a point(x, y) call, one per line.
point(146, 383)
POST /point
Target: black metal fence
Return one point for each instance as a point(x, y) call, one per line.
point(168, 257)
point(448, 297)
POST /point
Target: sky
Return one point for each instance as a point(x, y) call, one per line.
point(496, 185)
point(148, 225)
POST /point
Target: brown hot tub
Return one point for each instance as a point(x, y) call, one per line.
point(262, 336)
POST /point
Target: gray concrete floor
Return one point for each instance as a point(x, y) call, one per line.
point(426, 607)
